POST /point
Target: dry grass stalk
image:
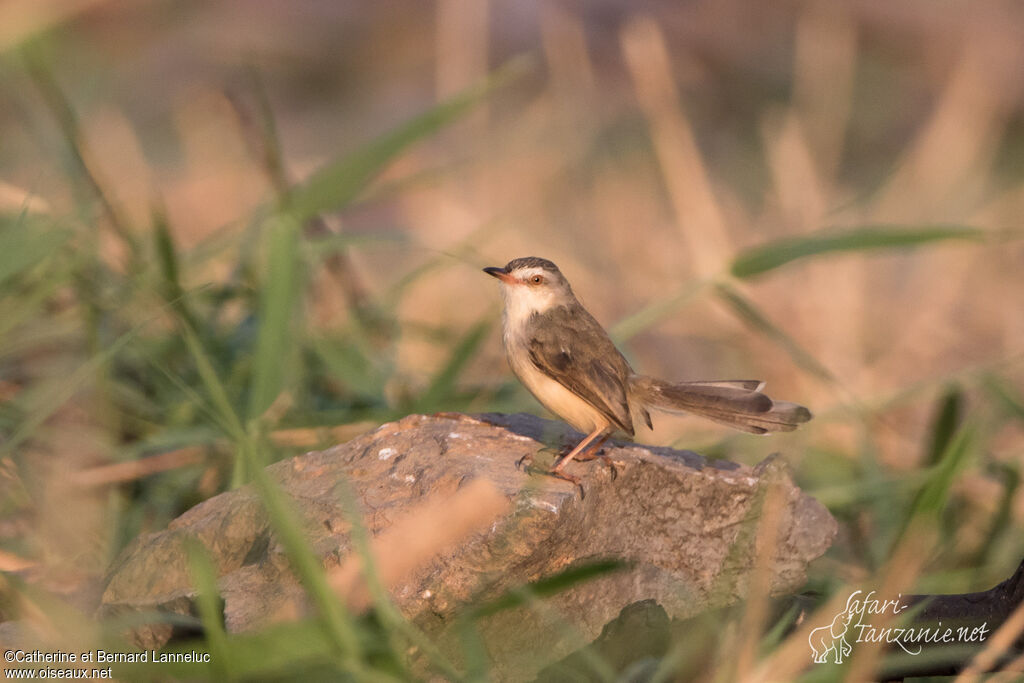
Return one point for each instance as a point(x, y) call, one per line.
point(420, 536)
point(316, 437)
point(136, 469)
point(902, 570)
point(697, 212)
point(792, 656)
point(995, 648)
point(19, 21)
point(122, 472)
point(760, 580)
point(9, 562)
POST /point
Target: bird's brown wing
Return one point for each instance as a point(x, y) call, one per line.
point(572, 348)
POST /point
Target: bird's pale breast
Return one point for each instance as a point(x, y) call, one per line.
point(555, 397)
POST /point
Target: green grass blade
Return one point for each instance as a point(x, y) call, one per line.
point(340, 625)
point(339, 183)
point(947, 419)
point(167, 261)
point(279, 299)
point(26, 243)
point(277, 652)
point(443, 383)
point(58, 392)
point(394, 622)
point(474, 652)
point(933, 495)
point(204, 575)
point(349, 366)
point(655, 312)
point(551, 585)
point(770, 256)
point(40, 70)
point(218, 394)
point(592, 661)
point(931, 500)
point(27, 306)
point(322, 246)
point(348, 361)
point(753, 316)
point(1002, 519)
point(1005, 396)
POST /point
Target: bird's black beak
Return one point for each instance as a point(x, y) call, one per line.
point(499, 273)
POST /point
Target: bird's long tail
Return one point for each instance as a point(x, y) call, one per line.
point(736, 403)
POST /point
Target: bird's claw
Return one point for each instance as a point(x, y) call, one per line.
point(603, 457)
point(525, 464)
point(613, 471)
point(571, 478)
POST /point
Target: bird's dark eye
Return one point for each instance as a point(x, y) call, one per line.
point(536, 279)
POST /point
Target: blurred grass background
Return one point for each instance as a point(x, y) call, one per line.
point(232, 232)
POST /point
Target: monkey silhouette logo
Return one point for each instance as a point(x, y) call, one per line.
point(831, 639)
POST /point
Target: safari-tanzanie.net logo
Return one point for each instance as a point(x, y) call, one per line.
point(854, 624)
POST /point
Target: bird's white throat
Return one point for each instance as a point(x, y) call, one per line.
point(522, 301)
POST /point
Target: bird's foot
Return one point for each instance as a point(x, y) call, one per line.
point(558, 452)
point(524, 462)
point(613, 471)
point(558, 474)
point(571, 478)
point(603, 457)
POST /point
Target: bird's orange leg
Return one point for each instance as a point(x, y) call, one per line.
point(602, 433)
point(594, 449)
point(594, 452)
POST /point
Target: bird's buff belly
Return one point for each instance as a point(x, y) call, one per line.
point(559, 400)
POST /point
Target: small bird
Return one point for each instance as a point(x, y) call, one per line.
point(569, 363)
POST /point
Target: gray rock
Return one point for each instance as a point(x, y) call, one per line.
point(687, 526)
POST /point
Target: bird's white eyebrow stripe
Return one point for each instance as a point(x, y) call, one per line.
point(529, 272)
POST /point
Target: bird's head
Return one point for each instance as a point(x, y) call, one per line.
point(532, 285)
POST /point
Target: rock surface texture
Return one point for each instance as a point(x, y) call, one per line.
point(687, 526)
